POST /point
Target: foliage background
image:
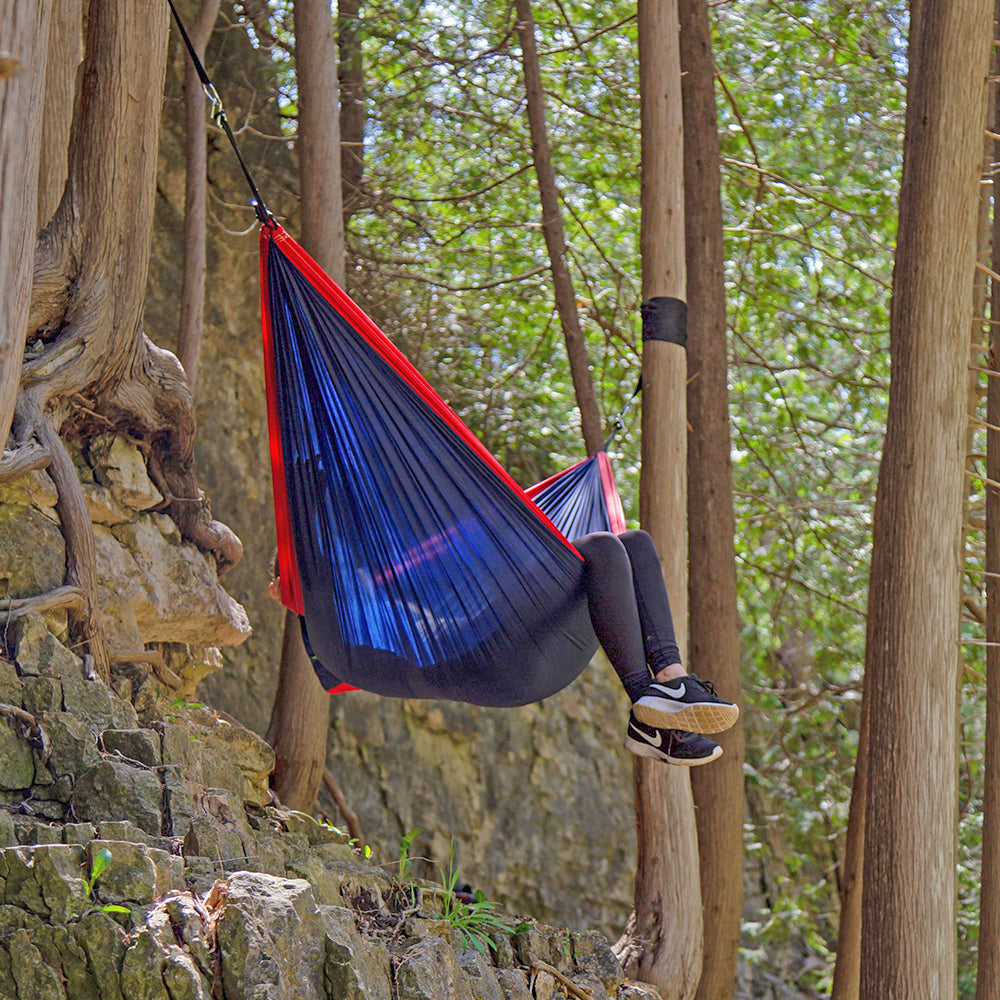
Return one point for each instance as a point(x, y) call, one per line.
point(446, 253)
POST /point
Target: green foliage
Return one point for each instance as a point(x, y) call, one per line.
point(101, 861)
point(447, 254)
point(475, 921)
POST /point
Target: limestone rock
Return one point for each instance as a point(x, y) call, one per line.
point(38, 651)
point(136, 874)
point(592, 953)
point(271, 938)
point(111, 790)
point(44, 571)
point(45, 880)
point(170, 587)
point(35, 489)
point(481, 975)
point(10, 684)
point(89, 701)
point(42, 694)
point(134, 745)
point(210, 745)
point(72, 745)
point(17, 764)
point(121, 467)
point(29, 976)
point(103, 506)
point(514, 983)
point(354, 968)
point(101, 939)
point(428, 970)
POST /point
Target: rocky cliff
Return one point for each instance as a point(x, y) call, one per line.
point(141, 859)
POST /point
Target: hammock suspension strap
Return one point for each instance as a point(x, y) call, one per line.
point(264, 216)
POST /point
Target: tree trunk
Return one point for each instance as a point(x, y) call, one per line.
point(662, 943)
point(988, 970)
point(911, 652)
point(92, 366)
point(65, 54)
point(192, 314)
point(847, 971)
point(24, 29)
point(352, 105)
point(555, 239)
point(714, 641)
point(300, 718)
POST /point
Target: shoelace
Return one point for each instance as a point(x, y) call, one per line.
point(707, 685)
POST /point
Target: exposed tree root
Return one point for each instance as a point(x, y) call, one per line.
point(67, 597)
point(22, 460)
point(350, 816)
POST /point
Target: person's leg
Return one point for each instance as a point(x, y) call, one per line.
point(622, 600)
point(658, 638)
point(613, 609)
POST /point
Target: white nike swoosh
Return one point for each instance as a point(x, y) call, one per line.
point(676, 692)
point(649, 739)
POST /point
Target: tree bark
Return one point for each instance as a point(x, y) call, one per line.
point(555, 238)
point(714, 641)
point(847, 971)
point(93, 365)
point(65, 53)
point(352, 105)
point(300, 718)
point(911, 652)
point(24, 29)
point(662, 943)
point(988, 968)
point(192, 315)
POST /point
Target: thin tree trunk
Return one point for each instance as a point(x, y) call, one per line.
point(300, 719)
point(319, 135)
point(662, 943)
point(352, 105)
point(65, 54)
point(24, 32)
point(988, 970)
point(192, 314)
point(555, 239)
point(847, 971)
point(911, 652)
point(714, 641)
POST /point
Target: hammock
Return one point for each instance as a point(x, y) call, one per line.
point(420, 568)
point(582, 498)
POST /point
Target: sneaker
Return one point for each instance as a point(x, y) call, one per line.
point(685, 703)
point(672, 746)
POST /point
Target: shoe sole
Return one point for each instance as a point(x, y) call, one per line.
point(645, 750)
point(701, 717)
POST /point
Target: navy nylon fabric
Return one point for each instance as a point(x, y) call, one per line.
point(423, 574)
point(575, 501)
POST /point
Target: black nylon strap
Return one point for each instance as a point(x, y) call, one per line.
point(219, 117)
point(665, 318)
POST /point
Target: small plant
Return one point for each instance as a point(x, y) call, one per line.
point(101, 861)
point(405, 846)
point(475, 920)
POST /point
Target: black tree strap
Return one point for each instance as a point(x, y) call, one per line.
point(664, 318)
point(219, 117)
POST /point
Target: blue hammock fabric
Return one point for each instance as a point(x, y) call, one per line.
point(420, 568)
point(582, 499)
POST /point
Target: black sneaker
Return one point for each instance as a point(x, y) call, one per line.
point(685, 703)
point(672, 746)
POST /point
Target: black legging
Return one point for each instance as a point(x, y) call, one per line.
point(629, 608)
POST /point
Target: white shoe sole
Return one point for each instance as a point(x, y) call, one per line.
point(705, 717)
